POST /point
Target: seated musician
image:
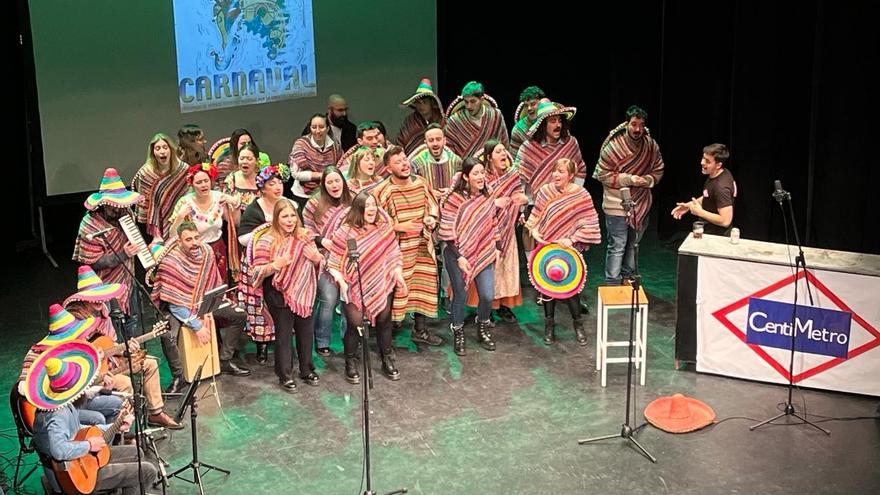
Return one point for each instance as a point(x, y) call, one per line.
point(102, 243)
point(91, 301)
point(63, 328)
point(55, 384)
point(186, 270)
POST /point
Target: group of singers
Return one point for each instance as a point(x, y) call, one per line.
point(372, 230)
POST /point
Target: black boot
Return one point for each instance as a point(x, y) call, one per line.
point(351, 369)
point(579, 332)
point(420, 332)
point(230, 368)
point(484, 336)
point(388, 365)
point(458, 339)
point(549, 331)
point(262, 352)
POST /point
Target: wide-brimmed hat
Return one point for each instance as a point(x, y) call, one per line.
point(458, 104)
point(61, 374)
point(424, 90)
point(159, 251)
point(112, 192)
point(679, 414)
point(64, 327)
point(546, 109)
point(90, 288)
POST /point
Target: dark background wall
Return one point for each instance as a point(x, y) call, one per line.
point(784, 84)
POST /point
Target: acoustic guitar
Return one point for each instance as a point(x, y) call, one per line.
point(111, 348)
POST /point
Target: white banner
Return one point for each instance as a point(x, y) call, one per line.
point(724, 288)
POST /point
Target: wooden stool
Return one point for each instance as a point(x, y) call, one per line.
point(620, 297)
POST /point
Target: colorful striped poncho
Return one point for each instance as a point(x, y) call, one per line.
point(321, 226)
point(183, 277)
point(412, 131)
point(89, 251)
point(619, 159)
point(160, 192)
point(260, 326)
point(305, 157)
point(466, 135)
point(380, 258)
point(438, 173)
point(412, 202)
point(536, 161)
point(519, 134)
point(358, 185)
point(569, 214)
point(298, 281)
point(470, 223)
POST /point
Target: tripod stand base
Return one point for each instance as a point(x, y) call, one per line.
point(395, 492)
point(789, 411)
point(626, 432)
point(197, 473)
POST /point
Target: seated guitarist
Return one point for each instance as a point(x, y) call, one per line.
point(55, 384)
point(91, 301)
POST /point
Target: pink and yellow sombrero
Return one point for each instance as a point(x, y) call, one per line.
point(90, 288)
point(64, 327)
point(61, 374)
point(557, 272)
point(112, 192)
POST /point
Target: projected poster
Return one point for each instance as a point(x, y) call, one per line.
point(243, 52)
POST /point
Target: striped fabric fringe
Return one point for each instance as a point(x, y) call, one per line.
point(304, 157)
point(465, 136)
point(297, 281)
point(571, 214)
point(160, 193)
point(89, 251)
point(536, 161)
point(471, 223)
point(182, 278)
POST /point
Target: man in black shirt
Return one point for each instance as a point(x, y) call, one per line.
point(715, 206)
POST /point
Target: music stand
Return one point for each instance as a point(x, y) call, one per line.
point(196, 465)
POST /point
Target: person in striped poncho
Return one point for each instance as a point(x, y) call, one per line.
point(630, 158)
point(381, 275)
point(362, 174)
point(549, 140)
point(564, 214)
point(414, 211)
point(426, 110)
point(525, 116)
point(472, 119)
point(308, 158)
point(434, 161)
point(161, 180)
point(469, 227)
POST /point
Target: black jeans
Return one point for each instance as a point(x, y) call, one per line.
point(573, 303)
point(122, 471)
point(286, 321)
point(231, 333)
point(382, 330)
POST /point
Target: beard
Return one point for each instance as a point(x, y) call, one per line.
point(338, 121)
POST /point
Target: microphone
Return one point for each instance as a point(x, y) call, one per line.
point(353, 253)
point(779, 193)
point(99, 233)
point(626, 200)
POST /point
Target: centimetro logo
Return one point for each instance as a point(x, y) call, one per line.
point(816, 330)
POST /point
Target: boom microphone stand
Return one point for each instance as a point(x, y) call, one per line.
point(627, 431)
point(781, 195)
point(364, 330)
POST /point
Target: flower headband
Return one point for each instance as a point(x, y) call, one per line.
point(206, 167)
point(266, 174)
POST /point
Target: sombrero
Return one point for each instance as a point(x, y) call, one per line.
point(679, 414)
point(425, 90)
point(91, 288)
point(61, 374)
point(112, 192)
point(64, 327)
point(546, 109)
point(557, 271)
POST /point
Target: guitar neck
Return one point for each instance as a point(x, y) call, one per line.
point(120, 348)
point(114, 428)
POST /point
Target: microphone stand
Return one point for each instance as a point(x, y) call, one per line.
point(364, 331)
point(800, 264)
point(627, 432)
point(119, 318)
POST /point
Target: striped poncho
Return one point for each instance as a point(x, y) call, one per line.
point(183, 277)
point(412, 131)
point(438, 173)
point(519, 134)
point(380, 258)
point(160, 192)
point(412, 202)
point(470, 223)
point(321, 226)
point(466, 135)
point(536, 161)
point(568, 214)
point(358, 185)
point(305, 157)
point(620, 158)
point(89, 251)
point(298, 281)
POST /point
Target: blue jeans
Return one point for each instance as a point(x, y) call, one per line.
point(485, 281)
point(328, 298)
point(107, 406)
point(620, 256)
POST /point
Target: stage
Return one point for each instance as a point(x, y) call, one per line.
point(490, 422)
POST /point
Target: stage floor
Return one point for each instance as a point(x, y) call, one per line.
point(491, 422)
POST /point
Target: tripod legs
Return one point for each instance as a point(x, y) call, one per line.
point(626, 432)
point(789, 411)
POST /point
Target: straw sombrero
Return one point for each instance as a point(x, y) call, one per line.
point(546, 109)
point(679, 414)
point(90, 288)
point(112, 192)
point(61, 374)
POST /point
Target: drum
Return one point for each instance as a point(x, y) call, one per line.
point(194, 354)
